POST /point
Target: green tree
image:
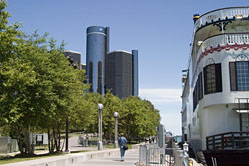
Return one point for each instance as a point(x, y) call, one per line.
point(85, 116)
point(39, 87)
point(139, 118)
point(111, 104)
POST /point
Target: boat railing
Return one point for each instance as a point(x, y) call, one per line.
point(228, 141)
point(218, 43)
point(222, 14)
point(223, 40)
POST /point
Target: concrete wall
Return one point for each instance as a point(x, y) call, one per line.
point(71, 159)
point(8, 145)
point(5, 144)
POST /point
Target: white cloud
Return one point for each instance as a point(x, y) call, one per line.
point(159, 96)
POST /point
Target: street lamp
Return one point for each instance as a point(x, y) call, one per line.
point(100, 143)
point(116, 129)
point(67, 126)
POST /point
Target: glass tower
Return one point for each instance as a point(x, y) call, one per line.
point(96, 49)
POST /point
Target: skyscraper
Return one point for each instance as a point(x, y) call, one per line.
point(121, 73)
point(96, 49)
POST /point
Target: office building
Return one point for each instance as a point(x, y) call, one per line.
point(75, 56)
point(121, 72)
point(83, 66)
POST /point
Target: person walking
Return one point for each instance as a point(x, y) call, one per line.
point(122, 143)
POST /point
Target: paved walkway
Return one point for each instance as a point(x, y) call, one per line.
point(131, 157)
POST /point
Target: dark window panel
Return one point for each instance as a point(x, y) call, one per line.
point(218, 77)
point(201, 86)
point(212, 79)
point(233, 82)
point(91, 76)
point(205, 80)
point(99, 77)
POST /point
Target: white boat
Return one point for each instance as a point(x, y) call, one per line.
point(215, 96)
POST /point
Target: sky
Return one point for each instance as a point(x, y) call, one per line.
point(161, 30)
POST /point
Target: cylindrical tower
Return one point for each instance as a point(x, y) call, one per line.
point(135, 72)
point(96, 49)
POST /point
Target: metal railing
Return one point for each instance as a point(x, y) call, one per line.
point(152, 155)
point(228, 141)
point(223, 40)
point(222, 14)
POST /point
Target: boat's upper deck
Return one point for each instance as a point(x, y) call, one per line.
point(221, 15)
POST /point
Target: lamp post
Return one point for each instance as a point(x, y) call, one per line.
point(67, 126)
point(100, 143)
point(116, 129)
point(67, 123)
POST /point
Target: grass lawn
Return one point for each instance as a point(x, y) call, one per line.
point(112, 146)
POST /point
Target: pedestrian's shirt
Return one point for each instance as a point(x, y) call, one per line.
point(122, 141)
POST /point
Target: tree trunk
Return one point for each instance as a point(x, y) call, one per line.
point(52, 141)
point(55, 139)
point(19, 140)
point(32, 145)
point(58, 140)
point(28, 142)
point(49, 145)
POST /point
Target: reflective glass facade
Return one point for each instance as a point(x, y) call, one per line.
point(135, 72)
point(96, 49)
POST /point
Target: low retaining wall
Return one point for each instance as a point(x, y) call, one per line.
point(70, 159)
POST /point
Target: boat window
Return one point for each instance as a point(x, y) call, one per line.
point(198, 91)
point(212, 78)
point(239, 75)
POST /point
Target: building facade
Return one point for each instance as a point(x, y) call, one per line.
point(215, 96)
point(135, 72)
point(121, 72)
point(96, 48)
point(75, 56)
